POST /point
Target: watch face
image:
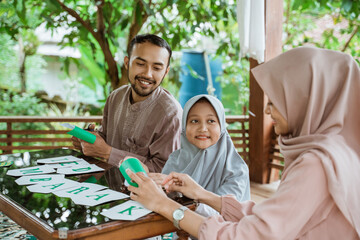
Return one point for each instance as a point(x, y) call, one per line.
point(178, 214)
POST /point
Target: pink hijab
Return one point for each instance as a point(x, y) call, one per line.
point(318, 92)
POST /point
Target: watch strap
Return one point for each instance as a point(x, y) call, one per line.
point(177, 221)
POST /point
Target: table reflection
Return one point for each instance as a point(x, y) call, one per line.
point(57, 211)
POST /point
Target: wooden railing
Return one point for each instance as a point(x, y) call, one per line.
point(21, 133)
point(238, 128)
point(17, 137)
point(37, 133)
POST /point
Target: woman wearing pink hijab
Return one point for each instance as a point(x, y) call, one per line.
point(314, 101)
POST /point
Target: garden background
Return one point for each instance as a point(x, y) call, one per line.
point(92, 38)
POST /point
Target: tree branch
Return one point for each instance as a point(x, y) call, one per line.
point(288, 10)
point(135, 26)
point(78, 18)
point(100, 19)
point(350, 38)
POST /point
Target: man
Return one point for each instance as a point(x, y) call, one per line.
point(141, 120)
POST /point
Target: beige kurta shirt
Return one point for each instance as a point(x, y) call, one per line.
point(302, 208)
point(148, 130)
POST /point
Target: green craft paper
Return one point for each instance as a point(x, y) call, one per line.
point(83, 135)
point(91, 179)
point(134, 165)
point(6, 164)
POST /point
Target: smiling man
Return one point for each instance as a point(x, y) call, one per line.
point(141, 119)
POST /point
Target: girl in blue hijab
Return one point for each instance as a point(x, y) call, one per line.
point(207, 153)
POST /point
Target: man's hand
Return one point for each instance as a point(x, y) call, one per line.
point(98, 149)
point(76, 142)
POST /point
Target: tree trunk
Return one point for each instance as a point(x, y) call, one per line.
point(134, 30)
point(22, 72)
point(124, 78)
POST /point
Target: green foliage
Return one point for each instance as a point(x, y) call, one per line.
point(235, 87)
point(9, 66)
point(21, 105)
point(332, 24)
point(94, 25)
point(102, 30)
point(9, 74)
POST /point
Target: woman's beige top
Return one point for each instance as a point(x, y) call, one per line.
point(317, 92)
point(302, 208)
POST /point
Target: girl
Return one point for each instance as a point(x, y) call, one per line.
point(207, 152)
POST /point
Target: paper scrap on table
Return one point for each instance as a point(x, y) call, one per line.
point(6, 163)
point(30, 171)
point(99, 197)
point(82, 189)
point(130, 210)
point(80, 169)
point(75, 163)
point(61, 159)
point(80, 133)
point(35, 179)
point(51, 186)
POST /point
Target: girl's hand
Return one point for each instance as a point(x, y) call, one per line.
point(183, 183)
point(158, 178)
point(148, 193)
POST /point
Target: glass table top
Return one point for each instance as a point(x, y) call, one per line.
point(56, 211)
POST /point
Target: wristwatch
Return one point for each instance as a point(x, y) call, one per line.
point(178, 214)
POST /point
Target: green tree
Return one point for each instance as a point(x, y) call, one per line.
point(20, 23)
point(302, 17)
point(98, 25)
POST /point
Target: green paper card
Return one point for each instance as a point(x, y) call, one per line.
point(80, 133)
point(91, 179)
point(6, 164)
point(135, 166)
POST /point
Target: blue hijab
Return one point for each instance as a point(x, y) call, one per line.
point(218, 168)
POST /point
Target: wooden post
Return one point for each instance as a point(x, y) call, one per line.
point(260, 124)
point(9, 136)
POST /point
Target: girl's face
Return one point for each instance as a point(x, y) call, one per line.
point(202, 125)
point(280, 124)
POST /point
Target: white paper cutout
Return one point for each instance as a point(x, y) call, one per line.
point(80, 169)
point(99, 197)
point(51, 186)
point(67, 125)
point(129, 210)
point(61, 159)
point(82, 189)
point(35, 179)
point(31, 171)
point(75, 163)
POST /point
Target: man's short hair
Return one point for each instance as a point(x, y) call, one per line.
point(151, 38)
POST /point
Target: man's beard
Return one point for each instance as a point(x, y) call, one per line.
point(138, 91)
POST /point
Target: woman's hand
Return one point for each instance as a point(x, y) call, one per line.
point(147, 193)
point(183, 183)
point(158, 178)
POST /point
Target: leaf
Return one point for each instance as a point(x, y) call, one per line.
point(93, 67)
point(53, 5)
point(148, 10)
point(347, 5)
point(175, 40)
